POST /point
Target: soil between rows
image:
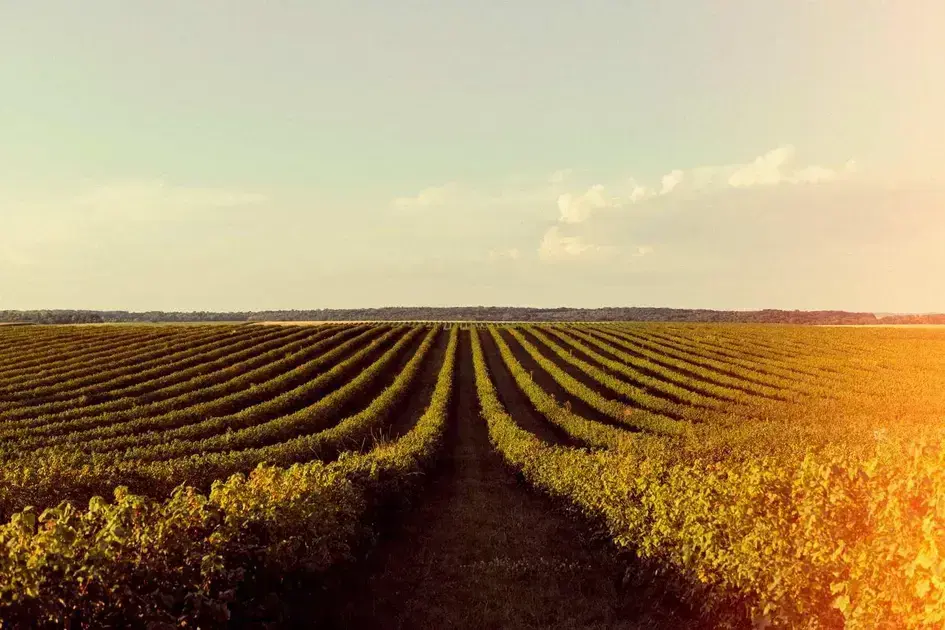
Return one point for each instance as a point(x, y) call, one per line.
point(596, 362)
point(515, 401)
point(628, 346)
point(729, 358)
point(547, 382)
point(480, 549)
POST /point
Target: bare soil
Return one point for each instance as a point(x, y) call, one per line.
point(480, 549)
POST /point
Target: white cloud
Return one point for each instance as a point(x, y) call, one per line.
point(765, 170)
point(574, 207)
point(777, 167)
point(639, 193)
point(578, 208)
point(670, 181)
point(428, 197)
point(774, 167)
point(555, 246)
point(771, 168)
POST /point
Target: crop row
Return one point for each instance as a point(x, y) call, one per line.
point(565, 349)
point(843, 536)
point(117, 347)
point(224, 390)
point(802, 369)
point(32, 384)
point(253, 405)
point(183, 560)
point(130, 367)
point(160, 460)
point(762, 363)
point(811, 542)
point(139, 378)
point(294, 386)
point(640, 376)
point(595, 434)
point(202, 377)
point(710, 375)
point(67, 345)
point(634, 418)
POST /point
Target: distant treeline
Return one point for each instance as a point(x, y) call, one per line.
point(474, 313)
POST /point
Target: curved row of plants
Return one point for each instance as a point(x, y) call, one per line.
point(83, 363)
point(594, 434)
point(802, 368)
point(344, 385)
point(782, 542)
point(31, 353)
point(565, 349)
point(190, 559)
point(124, 366)
point(24, 343)
point(849, 373)
point(308, 434)
point(764, 364)
point(680, 375)
point(258, 364)
point(653, 376)
point(38, 346)
point(739, 340)
point(690, 365)
point(252, 400)
point(633, 418)
point(805, 348)
point(758, 383)
point(136, 379)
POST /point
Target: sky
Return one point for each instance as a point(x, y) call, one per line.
point(251, 155)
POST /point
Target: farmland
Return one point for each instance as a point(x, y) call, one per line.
point(472, 475)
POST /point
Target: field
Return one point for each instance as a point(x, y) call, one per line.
point(456, 475)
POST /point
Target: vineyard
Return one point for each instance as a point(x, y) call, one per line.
point(472, 475)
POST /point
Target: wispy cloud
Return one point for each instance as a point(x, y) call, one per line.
point(556, 246)
point(36, 226)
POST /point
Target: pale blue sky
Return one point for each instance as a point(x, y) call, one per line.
point(254, 155)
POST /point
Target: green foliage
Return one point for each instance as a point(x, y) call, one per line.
point(786, 477)
point(591, 433)
point(814, 542)
point(183, 561)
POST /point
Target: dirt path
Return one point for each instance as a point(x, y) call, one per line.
point(481, 550)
